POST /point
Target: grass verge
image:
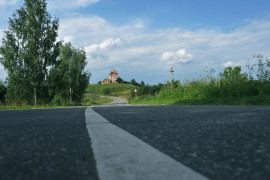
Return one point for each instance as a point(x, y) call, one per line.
point(152, 100)
point(88, 100)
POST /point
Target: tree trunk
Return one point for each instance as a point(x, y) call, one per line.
point(70, 95)
point(35, 96)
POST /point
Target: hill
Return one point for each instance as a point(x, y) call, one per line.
point(118, 90)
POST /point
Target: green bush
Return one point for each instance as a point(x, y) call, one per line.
point(59, 100)
point(106, 91)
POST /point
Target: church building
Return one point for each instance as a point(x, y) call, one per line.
point(113, 76)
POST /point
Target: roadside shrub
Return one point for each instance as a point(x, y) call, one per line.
point(59, 100)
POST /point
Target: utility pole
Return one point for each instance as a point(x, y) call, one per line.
point(171, 70)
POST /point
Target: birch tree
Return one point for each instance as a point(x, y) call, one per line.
point(28, 50)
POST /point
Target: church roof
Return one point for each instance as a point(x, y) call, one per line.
point(113, 72)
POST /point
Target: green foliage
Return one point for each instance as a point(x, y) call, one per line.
point(133, 82)
point(233, 82)
point(40, 70)
point(261, 69)
point(145, 90)
point(28, 49)
point(106, 91)
point(59, 99)
point(119, 80)
point(67, 78)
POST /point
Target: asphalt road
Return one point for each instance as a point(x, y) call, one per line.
point(219, 142)
point(45, 144)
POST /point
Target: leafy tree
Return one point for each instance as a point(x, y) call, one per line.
point(233, 81)
point(119, 80)
point(232, 74)
point(133, 82)
point(28, 49)
point(149, 89)
point(142, 84)
point(78, 79)
point(67, 78)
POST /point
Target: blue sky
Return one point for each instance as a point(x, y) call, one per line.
point(142, 39)
point(176, 13)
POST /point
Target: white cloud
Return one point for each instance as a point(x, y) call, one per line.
point(68, 39)
point(97, 50)
point(229, 63)
point(8, 2)
point(1, 67)
point(2, 73)
point(178, 57)
point(1, 35)
point(109, 43)
point(68, 4)
point(94, 29)
point(232, 64)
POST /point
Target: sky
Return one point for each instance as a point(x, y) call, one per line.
point(143, 39)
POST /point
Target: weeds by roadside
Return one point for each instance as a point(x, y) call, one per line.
point(230, 87)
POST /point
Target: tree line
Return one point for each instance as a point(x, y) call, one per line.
point(40, 69)
point(145, 89)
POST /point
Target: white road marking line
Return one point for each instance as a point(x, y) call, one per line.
point(121, 156)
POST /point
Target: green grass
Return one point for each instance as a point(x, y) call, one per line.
point(150, 100)
point(118, 90)
point(88, 100)
point(94, 96)
point(10, 107)
point(154, 100)
point(7, 107)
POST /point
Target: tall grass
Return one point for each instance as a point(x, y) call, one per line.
point(228, 87)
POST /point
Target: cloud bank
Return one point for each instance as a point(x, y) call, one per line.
point(68, 4)
point(135, 50)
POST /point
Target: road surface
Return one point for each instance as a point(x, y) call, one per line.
point(136, 142)
point(45, 144)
